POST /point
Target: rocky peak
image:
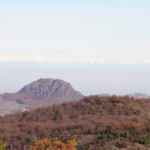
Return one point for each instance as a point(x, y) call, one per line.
point(50, 88)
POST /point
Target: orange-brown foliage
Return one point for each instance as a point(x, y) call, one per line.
point(46, 144)
point(94, 121)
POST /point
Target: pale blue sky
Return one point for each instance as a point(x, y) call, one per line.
point(115, 31)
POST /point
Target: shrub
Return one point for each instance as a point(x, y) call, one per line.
point(145, 140)
point(46, 144)
point(2, 146)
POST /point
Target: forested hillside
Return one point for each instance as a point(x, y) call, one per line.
point(94, 123)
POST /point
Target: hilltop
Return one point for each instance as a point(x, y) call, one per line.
point(39, 93)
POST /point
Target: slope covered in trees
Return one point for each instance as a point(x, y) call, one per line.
point(96, 123)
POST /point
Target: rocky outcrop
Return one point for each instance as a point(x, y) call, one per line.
point(50, 89)
point(40, 93)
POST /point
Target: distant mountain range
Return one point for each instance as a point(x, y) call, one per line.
point(42, 92)
point(139, 95)
point(135, 95)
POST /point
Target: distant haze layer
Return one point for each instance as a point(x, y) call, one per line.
point(87, 78)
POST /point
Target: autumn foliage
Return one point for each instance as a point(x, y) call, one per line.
point(96, 122)
point(2, 146)
point(46, 144)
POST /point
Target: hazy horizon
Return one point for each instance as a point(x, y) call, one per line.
point(87, 78)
